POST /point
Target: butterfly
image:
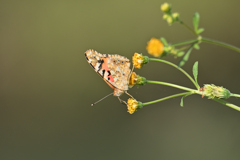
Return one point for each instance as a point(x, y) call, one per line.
point(114, 69)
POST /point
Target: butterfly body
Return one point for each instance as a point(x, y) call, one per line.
point(114, 69)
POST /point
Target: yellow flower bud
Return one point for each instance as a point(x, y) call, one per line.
point(165, 7)
point(165, 16)
point(170, 20)
point(175, 16)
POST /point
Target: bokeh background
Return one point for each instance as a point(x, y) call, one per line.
point(47, 86)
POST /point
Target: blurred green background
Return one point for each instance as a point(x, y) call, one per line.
point(47, 86)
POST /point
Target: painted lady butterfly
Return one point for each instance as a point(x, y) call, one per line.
point(114, 69)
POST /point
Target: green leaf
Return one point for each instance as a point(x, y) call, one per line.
point(195, 70)
point(180, 54)
point(196, 18)
point(181, 103)
point(196, 46)
point(200, 30)
point(164, 41)
point(185, 57)
point(164, 54)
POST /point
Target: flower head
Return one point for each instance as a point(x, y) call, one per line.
point(132, 80)
point(175, 16)
point(136, 80)
point(139, 60)
point(155, 47)
point(133, 105)
point(165, 16)
point(165, 7)
point(212, 91)
point(170, 20)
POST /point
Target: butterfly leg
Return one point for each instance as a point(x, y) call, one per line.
point(129, 94)
point(122, 100)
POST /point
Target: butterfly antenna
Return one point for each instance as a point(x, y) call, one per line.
point(101, 99)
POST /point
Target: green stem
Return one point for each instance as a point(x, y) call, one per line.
point(235, 95)
point(210, 40)
point(207, 40)
point(227, 104)
point(185, 42)
point(172, 85)
point(180, 69)
point(191, 91)
point(165, 98)
point(184, 48)
point(189, 28)
point(188, 93)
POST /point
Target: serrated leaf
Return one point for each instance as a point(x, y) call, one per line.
point(196, 46)
point(196, 18)
point(200, 30)
point(164, 41)
point(185, 57)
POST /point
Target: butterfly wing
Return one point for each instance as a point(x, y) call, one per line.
point(119, 67)
point(114, 69)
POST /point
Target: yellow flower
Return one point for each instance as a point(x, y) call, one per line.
point(155, 47)
point(133, 105)
point(170, 20)
point(165, 16)
point(165, 7)
point(137, 60)
point(175, 16)
point(136, 80)
point(132, 80)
